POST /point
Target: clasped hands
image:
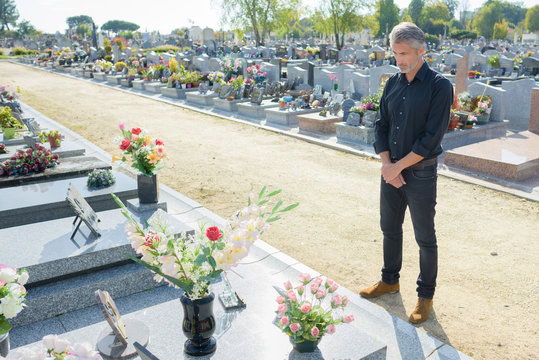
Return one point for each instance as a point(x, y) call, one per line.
point(391, 173)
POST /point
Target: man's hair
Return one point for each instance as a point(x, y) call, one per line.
point(409, 33)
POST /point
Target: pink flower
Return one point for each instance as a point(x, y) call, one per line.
point(334, 287)
point(121, 126)
point(320, 294)
point(329, 282)
point(282, 308)
point(314, 288)
point(288, 285)
point(336, 301)
point(305, 308)
point(291, 295)
point(318, 280)
point(285, 320)
point(304, 278)
point(315, 331)
point(348, 319)
point(294, 327)
point(331, 329)
point(300, 289)
point(279, 299)
point(345, 300)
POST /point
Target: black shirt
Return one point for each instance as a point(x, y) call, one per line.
point(414, 116)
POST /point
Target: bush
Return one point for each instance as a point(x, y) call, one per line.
point(463, 34)
point(164, 48)
point(1, 53)
point(18, 51)
point(432, 39)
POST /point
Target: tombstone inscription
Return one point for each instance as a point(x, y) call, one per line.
point(257, 95)
point(83, 211)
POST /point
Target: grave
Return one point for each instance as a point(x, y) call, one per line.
point(139, 84)
point(316, 123)
point(100, 76)
point(154, 86)
point(361, 135)
point(176, 93)
point(228, 105)
point(256, 111)
point(114, 79)
point(274, 115)
point(201, 99)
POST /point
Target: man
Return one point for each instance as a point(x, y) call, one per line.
point(414, 115)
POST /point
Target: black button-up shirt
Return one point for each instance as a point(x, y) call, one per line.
point(414, 115)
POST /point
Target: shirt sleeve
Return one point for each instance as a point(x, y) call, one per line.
point(381, 127)
point(437, 119)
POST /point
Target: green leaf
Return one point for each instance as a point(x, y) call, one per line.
point(206, 251)
point(260, 203)
point(272, 219)
point(262, 192)
point(279, 203)
point(289, 207)
point(200, 259)
point(212, 262)
point(5, 326)
point(275, 193)
point(220, 245)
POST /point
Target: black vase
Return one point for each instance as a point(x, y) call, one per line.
point(148, 189)
point(306, 346)
point(198, 325)
point(4, 345)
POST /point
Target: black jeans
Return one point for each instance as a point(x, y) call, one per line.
point(419, 194)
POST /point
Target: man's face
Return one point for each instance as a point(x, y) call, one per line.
point(407, 57)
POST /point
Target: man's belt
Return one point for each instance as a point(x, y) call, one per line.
point(422, 164)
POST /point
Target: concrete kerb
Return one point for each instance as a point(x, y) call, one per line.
point(502, 186)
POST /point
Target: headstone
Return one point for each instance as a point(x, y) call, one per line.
point(112, 315)
point(116, 52)
point(83, 211)
point(375, 74)
point(346, 106)
point(518, 102)
point(462, 74)
point(534, 112)
point(531, 65)
point(29, 141)
point(353, 118)
point(257, 95)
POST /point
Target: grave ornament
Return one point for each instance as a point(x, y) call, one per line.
point(334, 108)
point(257, 95)
point(83, 211)
point(353, 118)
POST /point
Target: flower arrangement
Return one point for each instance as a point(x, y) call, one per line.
point(3, 149)
point(372, 56)
point(120, 41)
point(255, 73)
point(12, 294)
point(335, 80)
point(306, 312)
point(103, 66)
point(7, 120)
point(54, 135)
point(371, 102)
point(29, 160)
point(494, 61)
point(98, 178)
point(7, 93)
point(146, 153)
point(313, 51)
point(54, 348)
point(230, 67)
point(192, 262)
point(173, 65)
point(472, 74)
point(236, 82)
point(216, 76)
point(119, 66)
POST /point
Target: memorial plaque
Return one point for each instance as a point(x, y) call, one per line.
point(353, 119)
point(257, 95)
point(83, 210)
point(30, 141)
point(334, 108)
point(32, 125)
point(111, 314)
point(317, 90)
point(346, 106)
point(225, 92)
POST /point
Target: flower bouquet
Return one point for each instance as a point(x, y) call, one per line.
point(12, 293)
point(230, 67)
point(255, 73)
point(54, 348)
point(146, 153)
point(335, 80)
point(100, 178)
point(29, 160)
point(306, 312)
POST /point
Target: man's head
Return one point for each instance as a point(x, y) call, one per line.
point(408, 44)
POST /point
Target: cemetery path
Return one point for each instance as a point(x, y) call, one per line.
point(487, 297)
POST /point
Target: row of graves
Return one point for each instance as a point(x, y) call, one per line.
point(336, 96)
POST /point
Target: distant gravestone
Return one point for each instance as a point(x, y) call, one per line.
point(346, 106)
point(462, 74)
point(257, 95)
point(534, 112)
point(353, 118)
point(83, 211)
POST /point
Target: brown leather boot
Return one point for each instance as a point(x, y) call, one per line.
point(422, 311)
point(378, 289)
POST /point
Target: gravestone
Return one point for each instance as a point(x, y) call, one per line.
point(116, 52)
point(214, 64)
point(531, 65)
point(518, 102)
point(462, 74)
point(498, 98)
point(375, 74)
point(534, 112)
point(273, 72)
point(225, 92)
point(353, 118)
point(257, 95)
point(346, 106)
point(83, 211)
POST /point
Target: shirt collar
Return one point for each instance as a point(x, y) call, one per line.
point(420, 75)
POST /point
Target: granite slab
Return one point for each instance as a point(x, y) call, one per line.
point(315, 122)
point(154, 87)
point(68, 167)
point(138, 84)
point(354, 134)
point(228, 106)
point(255, 111)
point(286, 117)
point(43, 201)
point(176, 93)
point(114, 79)
point(460, 137)
point(201, 99)
point(100, 76)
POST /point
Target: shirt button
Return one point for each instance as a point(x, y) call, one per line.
point(394, 142)
point(397, 128)
point(400, 113)
point(404, 97)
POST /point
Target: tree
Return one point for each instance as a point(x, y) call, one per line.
point(513, 13)
point(83, 30)
point(452, 5)
point(388, 16)
point(8, 14)
point(434, 11)
point(415, 8)
point(532, 19)
point(25, 28)
point(73, 22)
point(287, 19)
point(116, 26)
point(500, 30)
point(258, 14)
point(463, 34)
point(342, 18)
point(486, 17)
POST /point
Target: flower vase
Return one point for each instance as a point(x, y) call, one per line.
point(335, 86)
point(4, 344)
point(9, 133)
point(198, 325)
point(482, 118)
point(304, 346)
point(55, 141)
point(148, 189)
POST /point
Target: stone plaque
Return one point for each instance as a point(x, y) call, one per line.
point(225, 91)
point(353, 118)
point(83, 210)
point(111, 314)
point(462, 74)
point(256, 96)
point(32, 125)
point(29, 141)
point(334, 108)
point(346, 106)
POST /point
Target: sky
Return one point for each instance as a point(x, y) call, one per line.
point(161, 15)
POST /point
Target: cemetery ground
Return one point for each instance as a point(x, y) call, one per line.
point(487, 296)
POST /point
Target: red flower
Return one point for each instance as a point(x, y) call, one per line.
point(213, 233)
point(135, 131)
point(125, 144)
point(159, 142)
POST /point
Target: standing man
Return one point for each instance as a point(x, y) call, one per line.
point(414, 115)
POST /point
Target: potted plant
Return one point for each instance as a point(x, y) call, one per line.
point(193, 262)
point(12, 297)
point(310, 310)
point(8, 122)
point(53, 137)
point(29, 160)
point(119, 66)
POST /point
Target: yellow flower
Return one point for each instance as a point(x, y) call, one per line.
point(153, 157)
point(147, 140)
point(115, 158)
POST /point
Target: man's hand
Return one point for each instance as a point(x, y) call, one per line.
point(390, 171)
point(398, 182)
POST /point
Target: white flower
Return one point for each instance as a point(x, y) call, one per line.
point(60, 345)
point(8, 274)
point(23, 277)
point(10, 306)
point(48, 341)
point(82, 351)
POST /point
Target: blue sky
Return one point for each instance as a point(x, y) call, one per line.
point(161, 15)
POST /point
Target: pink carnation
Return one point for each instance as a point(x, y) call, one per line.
point(314, 288)
point(279, 299)
point(282, 308)
point(300, 289)
point(334, 287)
point(315, 332)
point(318, 280)
point(320, 294)
point(329, 282)
point(291, 295)
point(294, 327)
point(331, 329)
point(336, 300)
point(345, 300)
point(305, 308)
point(288, 285)
point(304, 278)
point(348, 319)
point(284, 320)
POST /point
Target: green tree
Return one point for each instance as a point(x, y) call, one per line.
point(25, 28)
point(452, 5)
point(83, 30)
point(532, 19)
point(484, 20)
point(513, 13)
point(116, 26)
point(287, 19)
point(500, 30)
point(342, 18)
point(463, 34)
point(387, 14)
point(258, 14)
point(434, 11)
point(415, 8)
point(8, 14)
point(73, 22)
